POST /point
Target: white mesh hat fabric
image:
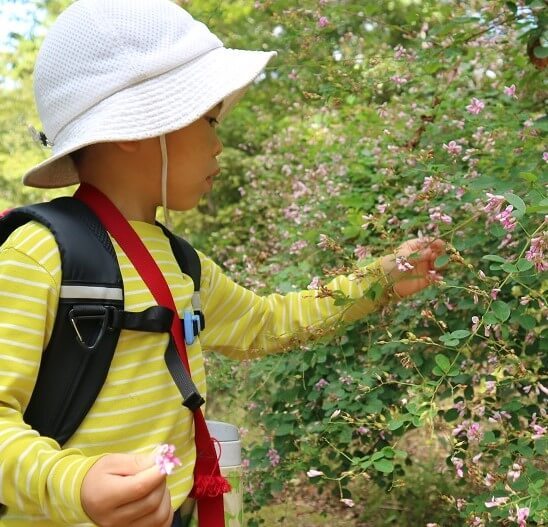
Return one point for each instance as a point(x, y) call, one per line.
point(129, 69)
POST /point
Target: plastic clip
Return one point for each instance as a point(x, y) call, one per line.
point(192, 325)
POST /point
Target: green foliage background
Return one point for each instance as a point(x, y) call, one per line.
point(351, 125)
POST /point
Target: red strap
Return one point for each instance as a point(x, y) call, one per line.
point(208, 483)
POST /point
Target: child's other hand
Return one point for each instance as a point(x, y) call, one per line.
point(421, 255)
point(123, 490)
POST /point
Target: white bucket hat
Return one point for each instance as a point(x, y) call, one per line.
point(113, 70)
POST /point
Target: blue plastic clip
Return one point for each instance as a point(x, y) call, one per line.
point(191, 326)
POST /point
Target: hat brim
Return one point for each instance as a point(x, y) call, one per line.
point(153, 107)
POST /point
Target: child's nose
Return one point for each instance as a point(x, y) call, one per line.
point(218, 146)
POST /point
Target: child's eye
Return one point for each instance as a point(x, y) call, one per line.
point(212, 121)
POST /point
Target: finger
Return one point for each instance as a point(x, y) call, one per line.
point(154, 510)
point(127, 464)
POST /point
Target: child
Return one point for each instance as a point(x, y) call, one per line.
point(129, 93)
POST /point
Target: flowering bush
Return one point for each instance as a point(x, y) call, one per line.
point(423, 120)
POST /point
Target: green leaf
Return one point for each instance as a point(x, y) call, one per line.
point(490, 319)
point(529, 176)
point(516, 202)
point(501, 309)
point(436, 371)
point(524, 265)
point(443, 362)
point(384, 465)
point(460, 334)
point(441, 261)
point(488, 437)
point(540, 52)
point(494, 258)
point(396, 423)
point(526, 321)
point(509, 268)
point(512, 6)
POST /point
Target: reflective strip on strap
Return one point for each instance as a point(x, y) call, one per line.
point(91, 292)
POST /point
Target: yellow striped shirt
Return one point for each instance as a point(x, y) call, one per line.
point(139, 405)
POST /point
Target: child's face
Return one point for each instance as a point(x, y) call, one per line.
point(192, 154)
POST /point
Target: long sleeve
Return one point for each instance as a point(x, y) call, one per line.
point(243, 325)
point(36, 476)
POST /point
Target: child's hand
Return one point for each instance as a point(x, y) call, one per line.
point(123, 490)
point(411, 268)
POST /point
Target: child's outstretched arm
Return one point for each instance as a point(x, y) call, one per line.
point(244, 325)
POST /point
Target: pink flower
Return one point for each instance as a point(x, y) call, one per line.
point(521, 516)
point(323, 21)
point(496, 502)
point(313, 473)
point(402, 264)
point(324, 242)
point(494, 203)
point(292, 74)
point(437, 215)
point(452, 148)
point(458, 463)
point(545, 156)
point(515, 472)
point(510, 91)
point(367, 219)
point(461, 503)
point(274, 457)
point(362, 430)
point(315, 284)
point(535, 253)
point(298, 246)
point(506, 218)
point(476, 106)
point(538, 430)
point(475, 323)
point(476, 521)
point(398, 80)
point(322, 383)
point(361, 252)
point(432, 525)
point(474, 432)
point(348, 502)
point(494, 293)
point(488, 480)
point(165, 458)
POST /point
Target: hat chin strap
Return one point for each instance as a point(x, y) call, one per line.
point(163, 148)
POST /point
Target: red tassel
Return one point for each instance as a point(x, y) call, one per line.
point(209, 487)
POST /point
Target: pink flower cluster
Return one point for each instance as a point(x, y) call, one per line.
point(274, 457)
point(535, 253)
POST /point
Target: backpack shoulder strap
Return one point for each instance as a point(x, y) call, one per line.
point(91, 290)
point(189, 263)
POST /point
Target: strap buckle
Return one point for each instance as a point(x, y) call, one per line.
point(82, 313)
point(192, 325)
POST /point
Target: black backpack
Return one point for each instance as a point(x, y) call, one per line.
point(91, 315)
